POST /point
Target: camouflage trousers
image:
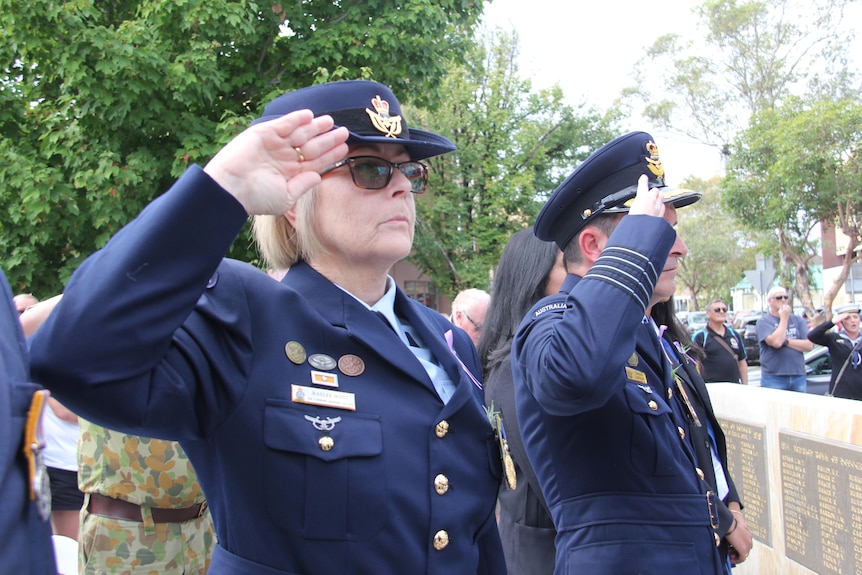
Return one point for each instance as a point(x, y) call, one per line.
point(110, 546)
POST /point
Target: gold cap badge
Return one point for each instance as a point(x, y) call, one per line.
point(380, 118)
point(653, 160)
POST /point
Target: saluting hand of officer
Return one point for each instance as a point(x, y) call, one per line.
point(647, 202)
point(270, 165)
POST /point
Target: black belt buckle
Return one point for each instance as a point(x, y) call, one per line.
point(713, 509)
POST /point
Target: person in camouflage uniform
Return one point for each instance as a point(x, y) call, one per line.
point(152, 474)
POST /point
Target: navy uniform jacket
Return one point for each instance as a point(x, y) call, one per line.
point(604, 436)
point(25, 538)
point(698, 396)
point(157, 336)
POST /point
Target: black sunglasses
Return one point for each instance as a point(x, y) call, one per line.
point(779, 297)
point(373, 173)
point(719, 309)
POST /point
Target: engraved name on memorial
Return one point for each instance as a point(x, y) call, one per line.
point(747, 462)
point(821, 490)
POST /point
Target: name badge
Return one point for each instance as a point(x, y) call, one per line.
point(635, 375)
point(322, 397)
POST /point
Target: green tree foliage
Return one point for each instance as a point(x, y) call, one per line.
point(719, 251)
point(754, 56)
point(796, 166)
point(103, 104)
point(750, 55)
point(514, 147)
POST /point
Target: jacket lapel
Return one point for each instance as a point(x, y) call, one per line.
point(341, 310)
point(433, 337)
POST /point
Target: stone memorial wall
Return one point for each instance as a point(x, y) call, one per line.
point(797, 461)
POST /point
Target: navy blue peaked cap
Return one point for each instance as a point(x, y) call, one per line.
point(369, 110)
point(606, 182)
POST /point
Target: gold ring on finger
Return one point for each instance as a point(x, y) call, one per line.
point(299, 153)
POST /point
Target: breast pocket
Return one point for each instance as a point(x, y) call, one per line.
point(325, 477)
point(652, 431)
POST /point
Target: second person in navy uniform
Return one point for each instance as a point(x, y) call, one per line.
point(594, 391)
point(336, 425)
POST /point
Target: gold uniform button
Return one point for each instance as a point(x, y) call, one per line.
point(442, 428)
point(441, 540)
point(670, 393)
point(653, 405)
point(681, 432)
point(325, 443)
point(699, 472)
point(717, 538)
point(441, 484)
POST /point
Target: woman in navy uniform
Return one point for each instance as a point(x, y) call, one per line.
point(529, 270)
point(705, 435)
point(845, 350)
point(336, 425)
point(593, 390)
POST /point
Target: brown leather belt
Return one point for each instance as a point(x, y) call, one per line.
point(119, 509)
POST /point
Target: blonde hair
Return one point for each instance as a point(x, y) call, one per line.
point(280, 243)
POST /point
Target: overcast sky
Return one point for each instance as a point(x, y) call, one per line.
point(590, 48)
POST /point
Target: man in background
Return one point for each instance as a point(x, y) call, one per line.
point(783, 339)
point(23, 301)
point(468, 312)
point(725, 358)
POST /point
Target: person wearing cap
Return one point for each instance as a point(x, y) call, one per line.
point(845, 349)
point(335, 425)
point(783, 340)
point(596, 397)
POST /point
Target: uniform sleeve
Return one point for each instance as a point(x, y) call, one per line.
point(128, 346)
point(570, 352)
point(819, 334)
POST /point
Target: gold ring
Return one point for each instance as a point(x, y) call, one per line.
point(299, 153)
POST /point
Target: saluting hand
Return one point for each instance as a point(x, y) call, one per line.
point(647, 202)
point(270, 165)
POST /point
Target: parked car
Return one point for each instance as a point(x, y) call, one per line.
point(818, 371)
point(696, 320)
point(747, 328)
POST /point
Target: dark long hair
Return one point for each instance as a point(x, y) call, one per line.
point(662, 313)
point(520, 281)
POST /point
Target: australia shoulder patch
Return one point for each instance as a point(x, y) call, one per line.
point(556, 306)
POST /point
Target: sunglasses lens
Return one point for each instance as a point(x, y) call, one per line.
point(720, 310)
point(370, 173)
point(417, 174)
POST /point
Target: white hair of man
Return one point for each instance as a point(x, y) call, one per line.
point(468, 298)
point(775, 290)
